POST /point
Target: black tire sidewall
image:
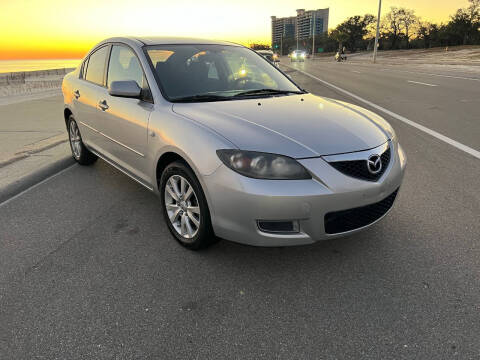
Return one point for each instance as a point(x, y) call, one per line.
point(204, 236)
point(86, 157)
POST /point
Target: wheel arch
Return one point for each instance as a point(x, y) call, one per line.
point(66, 115)
point(167, 158)
point(173, 154)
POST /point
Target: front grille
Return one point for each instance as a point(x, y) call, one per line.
point(346, 220)
point(358, 168)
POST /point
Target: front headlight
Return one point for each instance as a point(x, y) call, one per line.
point(261, 165)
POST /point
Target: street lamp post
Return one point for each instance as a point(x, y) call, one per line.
point(297, 36)
point(281, 45)
point(313, 44)
point(378, 32)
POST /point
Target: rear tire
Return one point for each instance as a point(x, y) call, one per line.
point(80, 153)
point(187, 216)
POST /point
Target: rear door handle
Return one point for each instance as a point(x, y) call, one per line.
point(103, 105)
point(76, 93)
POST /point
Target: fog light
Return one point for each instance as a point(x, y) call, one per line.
point(274, 226)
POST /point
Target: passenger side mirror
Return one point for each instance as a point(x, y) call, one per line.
point(126, 89)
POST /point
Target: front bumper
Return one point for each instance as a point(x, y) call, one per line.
point(238, 202)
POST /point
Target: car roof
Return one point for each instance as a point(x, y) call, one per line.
point(164, 40)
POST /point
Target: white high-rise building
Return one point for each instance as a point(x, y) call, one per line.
point(304, 25)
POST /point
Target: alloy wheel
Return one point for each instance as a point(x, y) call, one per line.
point(75, 140)
point(182, 206)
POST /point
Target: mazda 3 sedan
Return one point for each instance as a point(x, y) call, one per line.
point(232, 146)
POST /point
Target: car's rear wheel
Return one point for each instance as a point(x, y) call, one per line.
point(185, 207)
point(79, 152)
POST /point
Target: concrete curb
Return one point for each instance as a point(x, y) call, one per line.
point(24, 183)
point(33, 149)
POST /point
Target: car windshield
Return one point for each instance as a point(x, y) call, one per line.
point(215, 73)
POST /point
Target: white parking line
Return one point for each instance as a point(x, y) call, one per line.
point(420, 83)
point(431, 132)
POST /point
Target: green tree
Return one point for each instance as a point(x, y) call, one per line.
point(256, 46)
point(392, 26)
point(408, 20)
point(464, 25)
point(352, 31)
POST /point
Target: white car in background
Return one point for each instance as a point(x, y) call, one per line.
point(270, 56)
point(298, 55)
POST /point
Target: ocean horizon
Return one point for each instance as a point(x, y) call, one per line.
point(37, 64)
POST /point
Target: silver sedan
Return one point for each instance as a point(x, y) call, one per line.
point(232, 146)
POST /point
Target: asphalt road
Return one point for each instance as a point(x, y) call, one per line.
point(89, 270)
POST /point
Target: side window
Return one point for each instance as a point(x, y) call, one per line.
point(84, 68)
point(96, 66)
point(124, 65)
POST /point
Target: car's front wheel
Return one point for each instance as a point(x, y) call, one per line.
point(79, 152)
point(185, 207)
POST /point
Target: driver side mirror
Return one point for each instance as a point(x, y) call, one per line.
point(126, 89)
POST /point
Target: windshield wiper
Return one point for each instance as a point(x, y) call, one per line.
point(267, 92)
point(201, 98)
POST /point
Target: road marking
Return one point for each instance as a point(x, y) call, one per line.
point(447, 76)
point(357, 72)
point(37, 184)
point(421, 83)
point(391, 68)
point(432, 74)
point(431, 132)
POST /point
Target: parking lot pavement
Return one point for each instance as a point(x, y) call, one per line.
point(89, 270)
point(31, 121)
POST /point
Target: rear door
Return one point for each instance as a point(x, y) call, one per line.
point(87, 94)
point(125, 120)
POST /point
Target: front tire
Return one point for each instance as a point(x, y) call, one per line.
point(185, 207)
point(79, 152)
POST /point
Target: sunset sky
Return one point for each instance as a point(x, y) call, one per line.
point(36, 29)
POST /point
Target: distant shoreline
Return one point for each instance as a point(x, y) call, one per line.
point(14, 66)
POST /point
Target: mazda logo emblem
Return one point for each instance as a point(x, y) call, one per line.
point(374, 164)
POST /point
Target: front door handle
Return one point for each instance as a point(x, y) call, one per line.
point(103, 105)
point(76, 93)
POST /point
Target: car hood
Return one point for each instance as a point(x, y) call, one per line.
point(298, 126)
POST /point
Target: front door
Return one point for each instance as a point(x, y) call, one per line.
point(125, 120)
